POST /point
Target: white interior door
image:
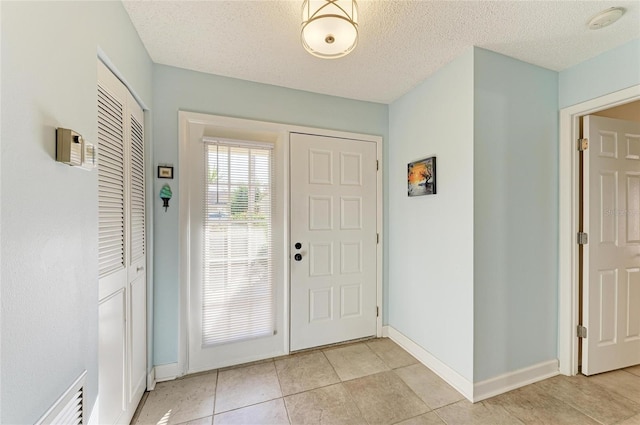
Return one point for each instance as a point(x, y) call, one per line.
point(611, 305)
point(333, 219)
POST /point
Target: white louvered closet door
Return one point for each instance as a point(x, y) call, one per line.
point(137, 330)
point(121, 250)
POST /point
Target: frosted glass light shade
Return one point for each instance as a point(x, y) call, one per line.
point(329, 27)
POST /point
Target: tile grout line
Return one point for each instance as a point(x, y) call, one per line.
point(312, 389)
point(622, 395)
point(345, 389)
point(215, 396)
point(440, 417)
point(431, 409)
point(332, 367)
point(390, 369)
point(286, 409)
point(452, 403)
point(571, 405)
point(281, 392)
point(366, 344)
point(604, 388)
point(248, 405)
point(535, 387)
point(252, 404)
point(300, 392)
point(196, 419)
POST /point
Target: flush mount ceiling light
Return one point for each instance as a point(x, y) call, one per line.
point(329, 27)
point(605, 18)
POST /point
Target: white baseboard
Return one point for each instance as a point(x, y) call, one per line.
point(516, 379)
point(453, 378)
point(166, 372)
point(151, 379)
point(478, 391)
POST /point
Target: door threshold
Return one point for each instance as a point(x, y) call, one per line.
point(335, 344)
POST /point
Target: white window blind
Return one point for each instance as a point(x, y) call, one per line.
point(237, 287)
point(110, 183)
point(137, 191)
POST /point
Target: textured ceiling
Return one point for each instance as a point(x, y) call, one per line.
point(401, 42)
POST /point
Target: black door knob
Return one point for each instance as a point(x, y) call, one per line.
point(298, 257)
point(298, 245)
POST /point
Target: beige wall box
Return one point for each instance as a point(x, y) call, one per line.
point(69, 147)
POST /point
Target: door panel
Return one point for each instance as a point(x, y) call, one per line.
point(333, 217)
point(111, 315)
point(632, 286)
point(612, 256)
point(633, 198)
point(137, 339)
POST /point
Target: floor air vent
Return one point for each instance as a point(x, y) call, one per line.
point(69, 409)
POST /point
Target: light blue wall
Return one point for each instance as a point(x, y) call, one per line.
point(49, 261)
point(177, 89)
point(50, 210)
point(606, 73)
point(515, 214)
point(431, 237)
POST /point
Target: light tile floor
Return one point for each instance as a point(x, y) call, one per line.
point(377, 382)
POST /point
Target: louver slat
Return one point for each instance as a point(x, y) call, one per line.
point(137, 191)
point(72, 413)
point(110, 183)
point(69, 408)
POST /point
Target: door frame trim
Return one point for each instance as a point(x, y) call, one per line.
point(224, 123)
point(568, 220)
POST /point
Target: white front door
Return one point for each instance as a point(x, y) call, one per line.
point(611, 304)
point(333, 240)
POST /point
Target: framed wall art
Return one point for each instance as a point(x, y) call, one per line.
point(165, 172)
point(421, 177)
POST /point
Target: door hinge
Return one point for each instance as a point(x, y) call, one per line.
point(583, 144)
point(377, 311)
point(583, 238)
point(377, 165)
point(377, 238)
point(582, 331)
